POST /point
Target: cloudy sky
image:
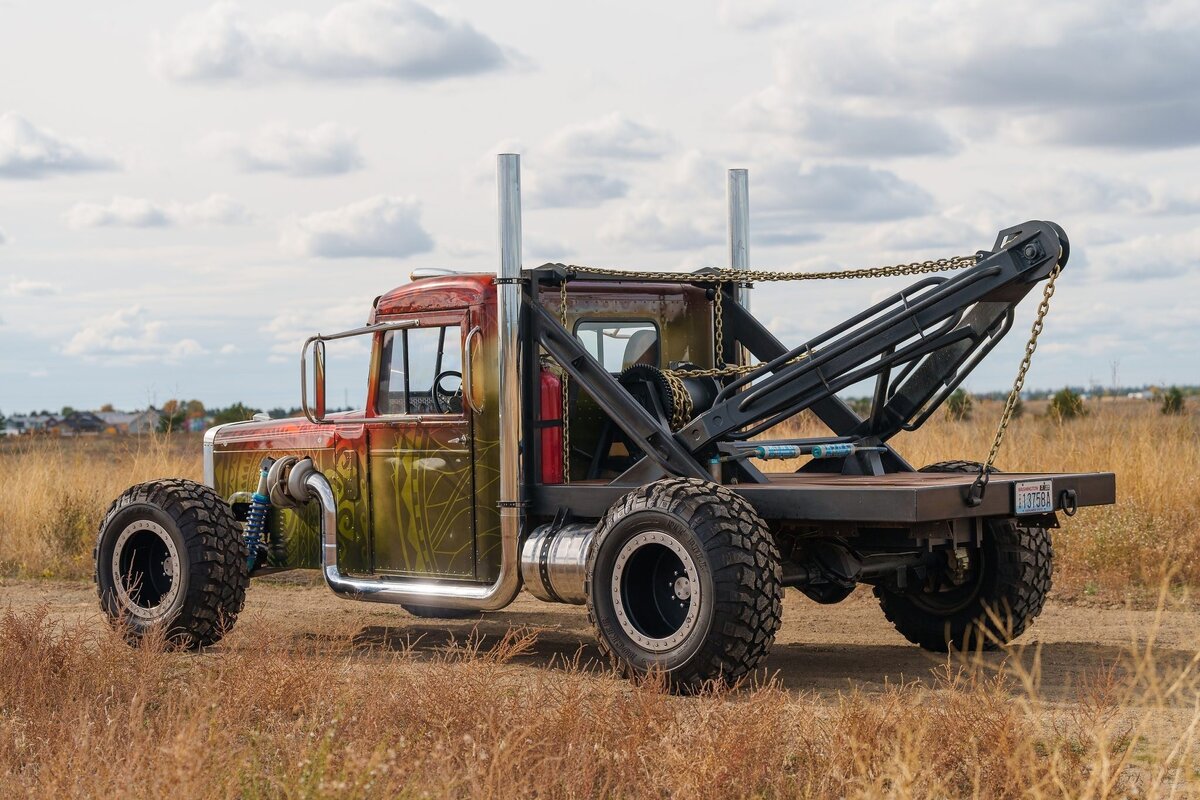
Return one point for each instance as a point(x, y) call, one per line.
point(188, 189)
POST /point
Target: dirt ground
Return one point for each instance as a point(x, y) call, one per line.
point(820, 649)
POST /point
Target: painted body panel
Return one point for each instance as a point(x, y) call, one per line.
point(294, 536)
point(410, 501)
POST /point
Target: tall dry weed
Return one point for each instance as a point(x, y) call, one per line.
point(55, 492)
point(83, 715)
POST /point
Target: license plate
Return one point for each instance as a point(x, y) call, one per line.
point(1034, 497)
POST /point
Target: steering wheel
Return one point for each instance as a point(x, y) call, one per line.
point(442, 398)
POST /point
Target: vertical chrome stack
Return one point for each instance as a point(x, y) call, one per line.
point(508, 291)
point(739, 234)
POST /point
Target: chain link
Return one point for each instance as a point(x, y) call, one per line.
point(722, 274)
point(1030, 347)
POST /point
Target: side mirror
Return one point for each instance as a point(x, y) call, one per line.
point(315, 412)
point(319, 380)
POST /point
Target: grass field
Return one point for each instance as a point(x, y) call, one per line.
point(55, 491)
point(305, 703)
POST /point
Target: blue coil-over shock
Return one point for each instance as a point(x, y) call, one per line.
point(256, 518)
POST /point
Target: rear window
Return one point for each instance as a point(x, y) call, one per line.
point(620, 345)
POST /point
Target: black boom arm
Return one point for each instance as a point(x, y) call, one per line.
point(934, 333)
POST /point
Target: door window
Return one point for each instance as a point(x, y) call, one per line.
point(421, 371)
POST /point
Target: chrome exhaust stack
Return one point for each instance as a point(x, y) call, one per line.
point(739, 236)
point(296, 482)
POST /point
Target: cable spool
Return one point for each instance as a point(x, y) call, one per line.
point(674, 397)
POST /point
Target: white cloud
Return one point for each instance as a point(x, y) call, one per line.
point(541, 249)
point(753, 15)
point(828, 128)
point(929, 234)
point(30, 288)
point(3, 237)
point(1076, 191)
point(1108, 74)
point(327, 149)
point(136, 212)
point(575, 190)
point(288, 329)
point(385, 227)
point(613, 136)
point(216, 209)
point(1150, 257)
point(128, 335)
point(120, 212)
point(838, 193)
point(27, 151)
point(399, 39)
point(648, 226)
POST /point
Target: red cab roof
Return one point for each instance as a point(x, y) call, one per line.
point(432, 294)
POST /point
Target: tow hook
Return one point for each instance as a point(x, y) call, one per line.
point(1068, 502)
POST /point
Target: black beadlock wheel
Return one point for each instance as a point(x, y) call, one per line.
point(683, 578)
point(170, 555)
point(1002, 592)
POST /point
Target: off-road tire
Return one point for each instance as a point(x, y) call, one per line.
point(211, 562)
point(956, 466)
point(1018, 567)
point(434, 612)
point(738, 568)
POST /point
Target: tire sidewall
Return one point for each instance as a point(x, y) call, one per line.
point(627, 651)
point(106, 552)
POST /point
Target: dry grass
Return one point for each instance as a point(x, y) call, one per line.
point(83, 715)
point(326, 713)
point(55, 492)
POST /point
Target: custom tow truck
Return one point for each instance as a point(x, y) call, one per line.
point(600, 437)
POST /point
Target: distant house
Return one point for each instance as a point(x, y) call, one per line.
point(27, 424)
point(85, 423)
point(77, 423)
point(136, 422)
point(116, 421)
point(146, 421)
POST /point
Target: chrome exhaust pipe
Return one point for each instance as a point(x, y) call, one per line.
point(301, 482)
point(444, 595)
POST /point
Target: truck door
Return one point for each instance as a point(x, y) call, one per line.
point(420, 453)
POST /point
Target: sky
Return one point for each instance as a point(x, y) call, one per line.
point(189, 189)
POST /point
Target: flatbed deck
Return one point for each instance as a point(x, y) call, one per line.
point(902, 497)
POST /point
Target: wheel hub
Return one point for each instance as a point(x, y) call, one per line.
point(145, 570)
point(656, 591)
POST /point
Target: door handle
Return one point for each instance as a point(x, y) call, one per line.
point(459, 439)
point(468, 378)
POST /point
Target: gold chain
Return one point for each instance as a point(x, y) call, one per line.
point(681, 401)
point(722, 274)
point(566, 397)
point(1015, 393)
